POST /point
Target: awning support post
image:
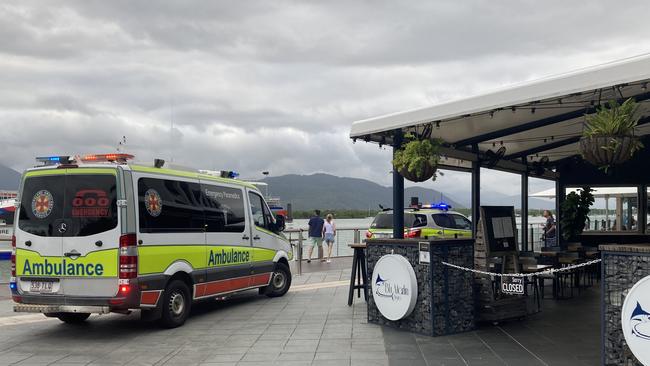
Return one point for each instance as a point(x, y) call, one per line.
point(524, 213)
point(476, 192)
point(560, 196)
point(398, 191)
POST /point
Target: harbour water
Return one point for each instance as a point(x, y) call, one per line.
point(346, 228)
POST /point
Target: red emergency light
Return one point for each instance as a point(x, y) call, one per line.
point(122, 158)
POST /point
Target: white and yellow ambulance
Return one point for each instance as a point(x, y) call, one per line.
point(98, 234)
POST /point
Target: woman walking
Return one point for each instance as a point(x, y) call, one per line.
point(549, 229)
point(329, 233)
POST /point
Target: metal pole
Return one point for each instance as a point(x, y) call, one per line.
point(476, 192)
point(524, 211)
point(299, 252)
point(560, 196)
point(398, 191)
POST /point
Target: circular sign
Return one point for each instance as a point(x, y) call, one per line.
point(153, 202)
point(394, 287)
point(42, 204)
point(635, 320)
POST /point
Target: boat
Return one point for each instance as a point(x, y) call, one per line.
point(7, 210)
point(275, 203)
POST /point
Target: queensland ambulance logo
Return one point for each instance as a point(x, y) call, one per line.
point(153, 202)
point(42, 204)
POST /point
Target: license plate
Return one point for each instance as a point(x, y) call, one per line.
point(383, 235)
point(41, 286)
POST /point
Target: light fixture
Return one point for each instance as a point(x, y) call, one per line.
point(437, 124)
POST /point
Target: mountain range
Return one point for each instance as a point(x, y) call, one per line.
point(306, 192)
point(9, 178)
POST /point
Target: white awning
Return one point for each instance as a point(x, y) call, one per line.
point(536, 119)
point(597, 192)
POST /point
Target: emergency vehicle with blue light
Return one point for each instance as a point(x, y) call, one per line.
point(430, 221)
point(99, 234)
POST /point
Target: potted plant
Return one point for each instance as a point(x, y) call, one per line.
point(608, 137)
point(574, 211)
point(418, 159)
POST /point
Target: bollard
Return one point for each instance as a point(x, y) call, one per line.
point(299, 252)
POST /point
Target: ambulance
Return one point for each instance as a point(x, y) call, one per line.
point(99, 234)
point(430, 221)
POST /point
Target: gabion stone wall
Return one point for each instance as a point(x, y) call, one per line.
point(622, 267)
point(445, 303)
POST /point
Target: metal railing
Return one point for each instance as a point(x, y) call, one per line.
point(299, 238)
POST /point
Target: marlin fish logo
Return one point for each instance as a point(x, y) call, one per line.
point(383, 291)
point(640, 322)
point(380, 281)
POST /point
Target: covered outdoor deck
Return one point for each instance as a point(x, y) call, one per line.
point(533, 130)
point(538, 124)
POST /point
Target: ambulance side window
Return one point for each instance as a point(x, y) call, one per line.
point(443, 220)
point(461, 222)
point(224, 209)
point(260, 213)
point(167, 206)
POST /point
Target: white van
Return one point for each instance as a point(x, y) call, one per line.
point(97, 234)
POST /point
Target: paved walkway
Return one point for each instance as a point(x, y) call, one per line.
point(311, 325)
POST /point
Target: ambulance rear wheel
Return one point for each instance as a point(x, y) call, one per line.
point(176, 304)
point(280, 281)
point(73, 318)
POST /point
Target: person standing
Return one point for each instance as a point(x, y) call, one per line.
point(329, 232)
point(549, 229)
point(315, 233)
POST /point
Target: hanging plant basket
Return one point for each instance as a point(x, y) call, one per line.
point(425, 174)
point(608, 136)
point(418, 159)
point(607, 151)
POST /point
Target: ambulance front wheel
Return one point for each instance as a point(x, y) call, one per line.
point(176, 304)
point(72, 318)
point(280, 281)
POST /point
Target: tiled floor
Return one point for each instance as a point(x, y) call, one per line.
point(311, 325)
point(566, 332)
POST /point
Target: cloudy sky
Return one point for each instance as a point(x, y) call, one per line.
point(275, 85)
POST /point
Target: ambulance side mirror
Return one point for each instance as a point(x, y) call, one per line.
point(280, 223)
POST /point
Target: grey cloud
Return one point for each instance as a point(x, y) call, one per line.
point(274, 85)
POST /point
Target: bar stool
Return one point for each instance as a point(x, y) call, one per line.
point(359, 276)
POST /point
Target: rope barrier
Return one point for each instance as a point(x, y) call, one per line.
point(548, 271)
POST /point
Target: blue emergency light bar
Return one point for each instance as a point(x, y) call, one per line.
point(439, 206)
point(229, 174)
point(47, 160)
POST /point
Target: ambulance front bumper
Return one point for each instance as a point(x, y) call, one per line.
point(36, 308)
